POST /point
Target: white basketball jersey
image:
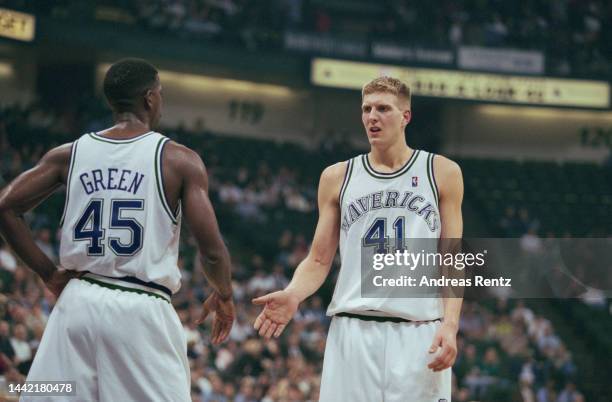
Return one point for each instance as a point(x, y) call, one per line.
point(117, 221)
point(404, 202)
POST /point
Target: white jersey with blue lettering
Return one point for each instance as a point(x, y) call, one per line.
point(376, 207)
point(117, 221)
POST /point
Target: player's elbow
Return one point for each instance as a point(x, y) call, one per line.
point(5, 207)
point(321, 261)
point(215, 255)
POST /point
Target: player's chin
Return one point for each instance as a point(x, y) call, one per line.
point(376, 140)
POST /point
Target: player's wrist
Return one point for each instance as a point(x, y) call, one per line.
point(225, 295)
point(293, 296)
point(452, 325)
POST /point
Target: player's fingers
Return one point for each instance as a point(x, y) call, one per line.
point(221, 330)
point(435, 343)
point(446, 353)
point(271, 330)
point(258, 321)
point(434, 363)
point(279, 330)
point(214, 333)
point(206, 307)
point(227, 328)
point(444, 360)
point(264, 327)
point(262, 299)
point(440, 364)
point(443, 365)
point(438, 361)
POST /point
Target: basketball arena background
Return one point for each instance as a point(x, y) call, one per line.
point(267, 92)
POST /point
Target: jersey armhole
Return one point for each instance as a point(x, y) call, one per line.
point(432, 178)
point(73, 150)
point(347, 178)
point(159, 179)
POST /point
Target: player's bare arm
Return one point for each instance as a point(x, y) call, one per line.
point(450, 183)
point(186, 181)
point(279, 307)
point(23, 194)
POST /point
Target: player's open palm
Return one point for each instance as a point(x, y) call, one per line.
point(279, 308)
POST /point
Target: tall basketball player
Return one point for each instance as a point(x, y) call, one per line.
point(113, 330)
point(379, 349)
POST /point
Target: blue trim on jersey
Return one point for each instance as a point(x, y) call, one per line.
point(392, 175)
point(159, 179)
point(347, 177)
point(73, 150)
point(432, 178)
point(116, 141)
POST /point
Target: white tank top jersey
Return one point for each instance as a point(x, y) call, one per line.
point(405, 200)
point(117, 221)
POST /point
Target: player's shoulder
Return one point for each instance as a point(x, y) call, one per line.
point(445, 167)
point(447, 175)
point(59, 154)
point(181, 159)
point(335, 172)
point(179, 153)
point(331, 181)
point(179, 150)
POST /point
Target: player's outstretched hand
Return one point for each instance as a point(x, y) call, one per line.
point(279, 308)
point(445, 344)
point(223, 320)
point(59, 279)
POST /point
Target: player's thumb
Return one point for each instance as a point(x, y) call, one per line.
point(206, 308)
point(436, 342)
point(262, 299)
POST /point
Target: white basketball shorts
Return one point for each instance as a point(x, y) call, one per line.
point(371, 361)
point(116, 345)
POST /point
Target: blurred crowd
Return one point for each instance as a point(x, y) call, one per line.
point(507, 352)
point(572, 33)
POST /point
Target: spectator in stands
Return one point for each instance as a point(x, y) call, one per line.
point(570, 394)
point(23, 352)
point(43, 240)
point(7, 352)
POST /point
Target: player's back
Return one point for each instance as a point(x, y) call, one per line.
point(117, 221)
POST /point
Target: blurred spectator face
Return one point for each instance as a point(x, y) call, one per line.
point(217, 383)
point(491, 356)
point(295, 394)
point(246, 389)
point(383, 118)
point(20, 332)
point(229, 391)
point(253, 347)
point(4, 328)
point(470, 352)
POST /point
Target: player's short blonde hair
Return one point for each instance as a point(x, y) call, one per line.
point(387, 85)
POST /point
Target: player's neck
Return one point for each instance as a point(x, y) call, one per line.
point(127, 125)
point(391, 158)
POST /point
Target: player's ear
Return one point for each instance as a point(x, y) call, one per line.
point(148, 99)
point(407, 115)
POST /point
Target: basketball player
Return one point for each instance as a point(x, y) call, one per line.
point(379, 349)
point(113, 330)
